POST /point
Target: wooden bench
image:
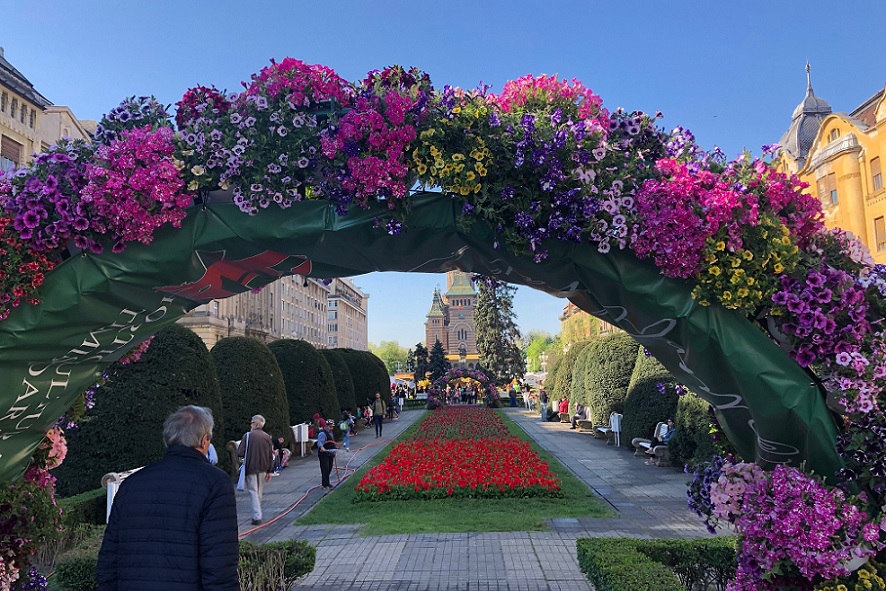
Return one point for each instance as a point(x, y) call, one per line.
point(660, 455)
point(611, 432)
point(565, 417)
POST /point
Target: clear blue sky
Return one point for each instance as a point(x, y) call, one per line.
point(730, 72)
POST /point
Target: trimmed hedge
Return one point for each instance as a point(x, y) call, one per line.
point(368, 374)
point(578, 389)
point(341, 376)
point(692, 442)
point(645, 405)
point(628, 564)
point(565, 367)
point(608, 374)
point(308, 380)
point(125, 429)
point(250, 383)
point(615, 564)
point(261, 567)
point(89, 507)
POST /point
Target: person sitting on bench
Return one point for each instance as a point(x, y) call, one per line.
point(663, 440)
point(578, 416)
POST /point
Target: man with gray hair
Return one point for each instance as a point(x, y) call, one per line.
point(257, 450)
point(173, 525)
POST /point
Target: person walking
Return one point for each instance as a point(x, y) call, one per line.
point(378, 414)
point(543, 404)
point(257, 449)
point(326, 447)
point(173, 525)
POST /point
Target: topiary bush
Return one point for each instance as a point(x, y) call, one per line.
point(251, 384)
point(615, 564)
point(88, 507)
point(646, 405)
point(308, 379)
point(692, 442)
point(366, 375)
point(341, 377)
point(578, 390)
point(565, 368)
point(608, 375)
point(125, 429)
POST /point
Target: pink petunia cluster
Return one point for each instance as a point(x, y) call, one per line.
point(529, 92)
point(134, 187)
point(57, 445)
point(303, 85)
point(372, 139)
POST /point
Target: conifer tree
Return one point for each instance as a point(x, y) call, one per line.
point(420, 357)
point(437, 364)
point(498, 338)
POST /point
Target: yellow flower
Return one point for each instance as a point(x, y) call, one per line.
point(481, 170)
point(470, 176)
point(197, 170)
point(710, 259)
point(721, 246)
point(747, 255)
point(715, 271)
point(736, 262)
point(751, 281)
point(786, 241)
point(477, 187)
point(464, 191)
point(475, 155)
point(178, 164)
point(435, 152)
point(726, 296)
point(456, 110)
point(743, 292)
point(778, 268)
point(458, 157)
point(426, 134)
point(193, 186)
point(422, 168)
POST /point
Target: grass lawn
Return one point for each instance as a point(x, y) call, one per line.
point(457, 515)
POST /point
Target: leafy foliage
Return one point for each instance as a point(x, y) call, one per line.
point(125, 429)
point(341, 376)
point(498, 338)
point(564, 368)
point(539, 343)
point(392, 354)
point(310, 387)
point(420, 359)
point(367, 373)
point(608, 374)
point(438, 365)
point(274, 566)
point(646, 405)
point(250, 383)
point(692, 442)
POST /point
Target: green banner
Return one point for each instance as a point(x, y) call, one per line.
point(97, 307)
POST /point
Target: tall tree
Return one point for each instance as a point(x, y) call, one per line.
point(437, 364)
point(538, 343)
point(420, 355)
point(498, 338)
point(393, 355)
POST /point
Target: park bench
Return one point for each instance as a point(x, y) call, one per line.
point(610, 432)
point(112, 481)
point(565, 417)
point(660, 454)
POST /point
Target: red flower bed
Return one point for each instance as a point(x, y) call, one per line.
point(460, 452)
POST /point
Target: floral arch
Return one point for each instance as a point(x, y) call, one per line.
point(491, 392)
point(723, 270)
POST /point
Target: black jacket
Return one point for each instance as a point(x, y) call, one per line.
point(173, 527)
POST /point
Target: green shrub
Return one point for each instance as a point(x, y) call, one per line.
point(695, 561)
point(627, 564)
point(341, 376)
point(615, 564)
point(261, 567)
point(368, 375)
point(89, 507)
point(692, 442)
point(75, 569)
point(274, 566)
point(125, 429)
point(251, 384)
point(565, 366)
point(646, 405)
point(608, 374)
point(308, 380)
point(578, 390)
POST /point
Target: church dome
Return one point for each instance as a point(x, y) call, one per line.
point(807, 118)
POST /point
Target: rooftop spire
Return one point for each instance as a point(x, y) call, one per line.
point(808, 76)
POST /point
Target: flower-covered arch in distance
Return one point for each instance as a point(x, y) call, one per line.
point(541, 187)
point(491, 392)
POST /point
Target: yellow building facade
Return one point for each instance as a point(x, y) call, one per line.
point(840, 156)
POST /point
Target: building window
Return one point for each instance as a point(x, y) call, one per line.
point(832, 188)
point(14, 108)
point(10, 153)
point(880, 233)
point(876, 175)
point(835, 133)
point(4, 98)
point(33, 118)
point(22, 113)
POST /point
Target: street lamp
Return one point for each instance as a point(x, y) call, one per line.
point(544, 361)
point(462, 354)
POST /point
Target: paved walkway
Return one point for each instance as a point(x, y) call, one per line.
point(649, 502)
